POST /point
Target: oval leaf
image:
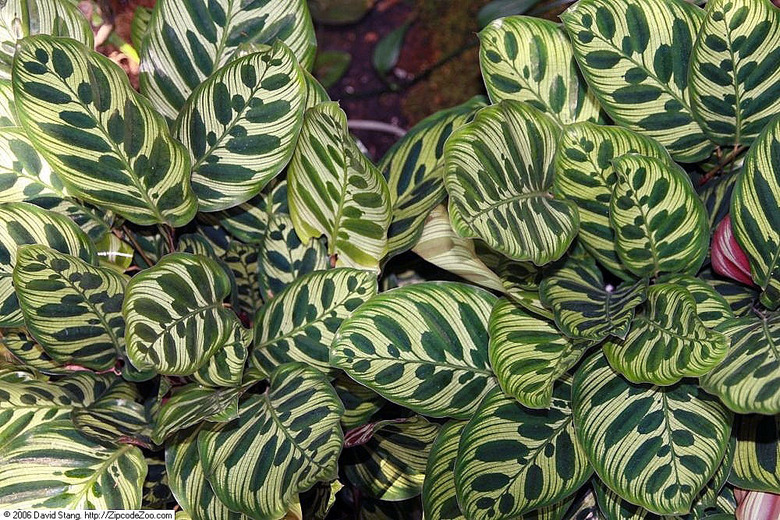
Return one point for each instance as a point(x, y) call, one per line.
point(192, 404)
point(499, 177)
point(668, 342)
point(174, 314)
point(72, 308)
point(754, 214)
point(528, 354)
point(187, 40)
point(584, 175)
point(287, 439)
point(748, 379)
point(438, 492)
point(634, 55)
point(530, 59)
point(734, 79)
point(757, 455)
point(300, 323)
point(414, 170)
point(22, 223)
point(240, 126)
point(423, 346)
point(512, 460)
point(334, 190)
point(103, 139)
point(655, 446)
point(660, 223)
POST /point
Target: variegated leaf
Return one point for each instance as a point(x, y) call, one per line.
point(287, 439)
point(240, 126)
point(440, 245)
point(660, 223)
point(512, 460)
point(528, 353)
point(748, 379)
point(521, 285)
point(138, 26)
point(115, 416)
point(175, 317)
point(414, 170)
point(716, 195)
point(187, 40)
point(226, 367)
point(423, 346)
point(587, 308)
point(192, 404)
point(530, 59)
point(46, 463)
point(668, 342)
point(8, 117)
point(711, 308)
point(584, 174)
point(757, 456)
point(103, 139)
point(29, 352)
point(390, 466)
point(735, 70)
point(360, 403)
point(335, 191)
point(157, 494)
point(634, 55)
point(740, 297)
point(243, 262)
point(188, 482)
point(499, 177)
point(300, 323)
point(438, 491)
point(22, 223)
point(754, 215)
point(20, 18)
point(654, 446)
point(24, 174)
point(73, 309)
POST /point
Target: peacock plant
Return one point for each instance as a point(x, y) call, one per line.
point(203, 296)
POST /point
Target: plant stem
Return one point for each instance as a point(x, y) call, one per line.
point(726, 161)
point(377, 126)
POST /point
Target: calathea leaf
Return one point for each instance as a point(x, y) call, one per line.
point(72, 308)
point(157, 494)
point(423, 346)
point(20, 18)
point(634, 55)
point(335, 191)
point(734, 79)
point(528, 354)
point(115, 415)
point(360, 403)
point(740, 297)
point(654, 446)
point(46, 463)
point(175, 317)
point(188, 482)
point(747, 379)
point(188, 40)
point(390, 466)
point(584, 175)
point(8, 117)
point(440, 245)
point(668, 342)
point(288, 439)
point(521, 285)
point(716, 195)
point(265, 221)
point(711, 308)
point(499, 177)
point(103, 139)
point(22, 223)
point(754, 214)
point(660, 223)
point(226, 367)
point(757, 455)
point(192, 404)
point(24, 174)
point(512, 460)
point(530, 59)
point(438, 491)
point(300, 323)
point(587, 308)
point(414, 170)
point(29, 352)
point(242, 261)
point(240, 126)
